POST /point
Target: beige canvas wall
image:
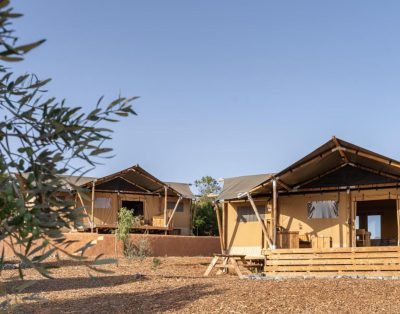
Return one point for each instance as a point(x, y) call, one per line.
point(153, 206)
point(245, 236)
point(242, 237)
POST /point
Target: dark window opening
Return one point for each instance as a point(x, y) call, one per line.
point(378, 220)
point(137, 207)
point(171, 205)
point(245, 213)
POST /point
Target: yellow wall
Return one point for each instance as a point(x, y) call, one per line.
point(242, 237)
point(293, 217)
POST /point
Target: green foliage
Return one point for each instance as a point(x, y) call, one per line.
point(42, 139)
point(137, 251)
point(207, 185)
point(204, 216)
point(155, 263)
point(125, 222)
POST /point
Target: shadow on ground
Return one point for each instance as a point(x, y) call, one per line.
point(135, 302)
point(72, 283)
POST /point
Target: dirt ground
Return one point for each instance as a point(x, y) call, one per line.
point(177, 285)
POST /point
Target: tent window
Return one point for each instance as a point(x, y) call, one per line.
point(323, 209)
point(102, 202)
point(171, 205)
point(245, 213)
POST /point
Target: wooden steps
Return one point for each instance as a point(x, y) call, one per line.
point(360, 260)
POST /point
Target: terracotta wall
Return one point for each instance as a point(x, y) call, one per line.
point(160, 245)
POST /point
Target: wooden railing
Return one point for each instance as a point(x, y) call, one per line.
point(383, 260)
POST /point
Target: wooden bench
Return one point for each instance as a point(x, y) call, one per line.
point(227, 262)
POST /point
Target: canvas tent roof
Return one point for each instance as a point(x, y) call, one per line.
point(182, 188)
point(71, 181)
point(336, 163)
point(137, 180)
point(238, 185)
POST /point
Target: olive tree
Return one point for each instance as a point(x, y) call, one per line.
point(42, 139)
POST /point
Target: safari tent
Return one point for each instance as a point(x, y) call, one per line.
point(340, 198)
point(160, 206)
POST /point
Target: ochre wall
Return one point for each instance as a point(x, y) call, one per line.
point(106, 244)
point(293, 217)
point(243, 237)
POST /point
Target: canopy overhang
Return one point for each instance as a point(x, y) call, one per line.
point(137, 180)
point(335, 165)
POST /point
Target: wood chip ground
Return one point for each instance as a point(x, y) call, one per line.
point(177, 285)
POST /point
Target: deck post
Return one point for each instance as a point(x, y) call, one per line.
point(220, 231)
point(264, 228)
point(93, 190)
point(274, 211)
point(350, 215)
point(398, 220)
point(165, 205)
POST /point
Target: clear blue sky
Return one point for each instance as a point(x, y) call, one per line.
point(227, 87)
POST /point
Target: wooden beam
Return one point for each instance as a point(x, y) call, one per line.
point(398, 220)
point(263, 227)
point(274, 211)
point(93, 190)
point(381, 173)
point(165, 205)
point(318, 176)
point(341, 152)
point(173, 212)
point(380, 159)
point(343, 188)
point(284, 185)
point(220, 230)
point(351, 218)
point(313, 160)
point(134, 184)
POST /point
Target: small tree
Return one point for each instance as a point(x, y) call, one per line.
point(204, 216)
point(126, 221)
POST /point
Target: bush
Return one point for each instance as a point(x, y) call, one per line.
point(137, 251)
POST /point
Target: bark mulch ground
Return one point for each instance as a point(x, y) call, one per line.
point(177, 285)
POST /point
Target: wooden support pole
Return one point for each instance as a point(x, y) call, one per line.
point(165, 205)
point(264, 228)
point(84, 208)
point(353, 223)
point(274, 211)
point(173, 212)
point(220, 230)
point(350, 215)
point(398, 221)
point(93, 190)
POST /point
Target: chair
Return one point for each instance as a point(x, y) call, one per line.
point(363, 237)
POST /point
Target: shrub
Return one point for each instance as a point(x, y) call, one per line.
point(137, 251)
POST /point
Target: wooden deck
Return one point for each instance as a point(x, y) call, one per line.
point(374, 261)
